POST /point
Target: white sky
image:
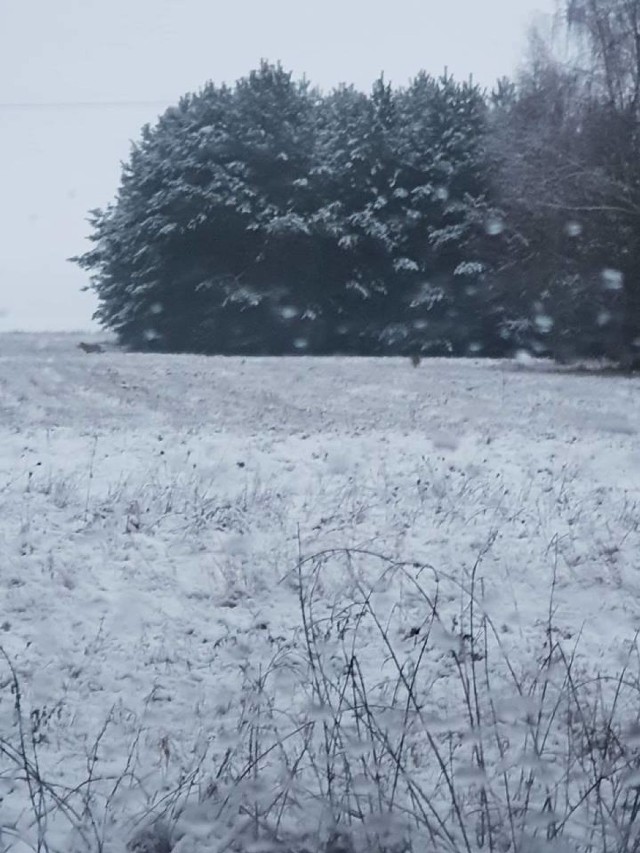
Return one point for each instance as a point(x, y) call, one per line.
point(58, 161)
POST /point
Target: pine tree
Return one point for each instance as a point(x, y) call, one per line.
point(265, 218)
point(444, 179)
point(352, 177)
point(189, 255)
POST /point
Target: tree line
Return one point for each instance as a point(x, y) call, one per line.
point(436, 218)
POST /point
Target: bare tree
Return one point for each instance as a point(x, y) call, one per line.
point(608, 31)
point(568, 147)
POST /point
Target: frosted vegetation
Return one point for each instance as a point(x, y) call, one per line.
point(316, 604)
point(434, 218)
point(340, 605)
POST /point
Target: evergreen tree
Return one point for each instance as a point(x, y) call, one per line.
point(190, 254)
point(356, 160)
point(444, 180)
point(265, 218)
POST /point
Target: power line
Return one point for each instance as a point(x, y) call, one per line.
point(80, 105)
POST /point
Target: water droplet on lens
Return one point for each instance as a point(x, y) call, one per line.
point(612, 279)
point(494, 225)
point(544, 323)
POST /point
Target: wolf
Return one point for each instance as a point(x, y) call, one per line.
point(90, 347)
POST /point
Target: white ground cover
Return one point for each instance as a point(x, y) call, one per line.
point(162, 518)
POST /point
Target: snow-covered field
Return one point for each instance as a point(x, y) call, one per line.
point(166, 522)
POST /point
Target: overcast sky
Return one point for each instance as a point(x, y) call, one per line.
point(78, 78)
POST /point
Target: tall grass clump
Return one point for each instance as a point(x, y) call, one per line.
point(402, 721)
point(399, 718)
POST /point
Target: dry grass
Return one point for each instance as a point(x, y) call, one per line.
point(534, 756)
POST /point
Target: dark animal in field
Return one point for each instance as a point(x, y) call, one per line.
point(90, 347)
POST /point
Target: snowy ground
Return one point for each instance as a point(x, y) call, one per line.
point(153, 511)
